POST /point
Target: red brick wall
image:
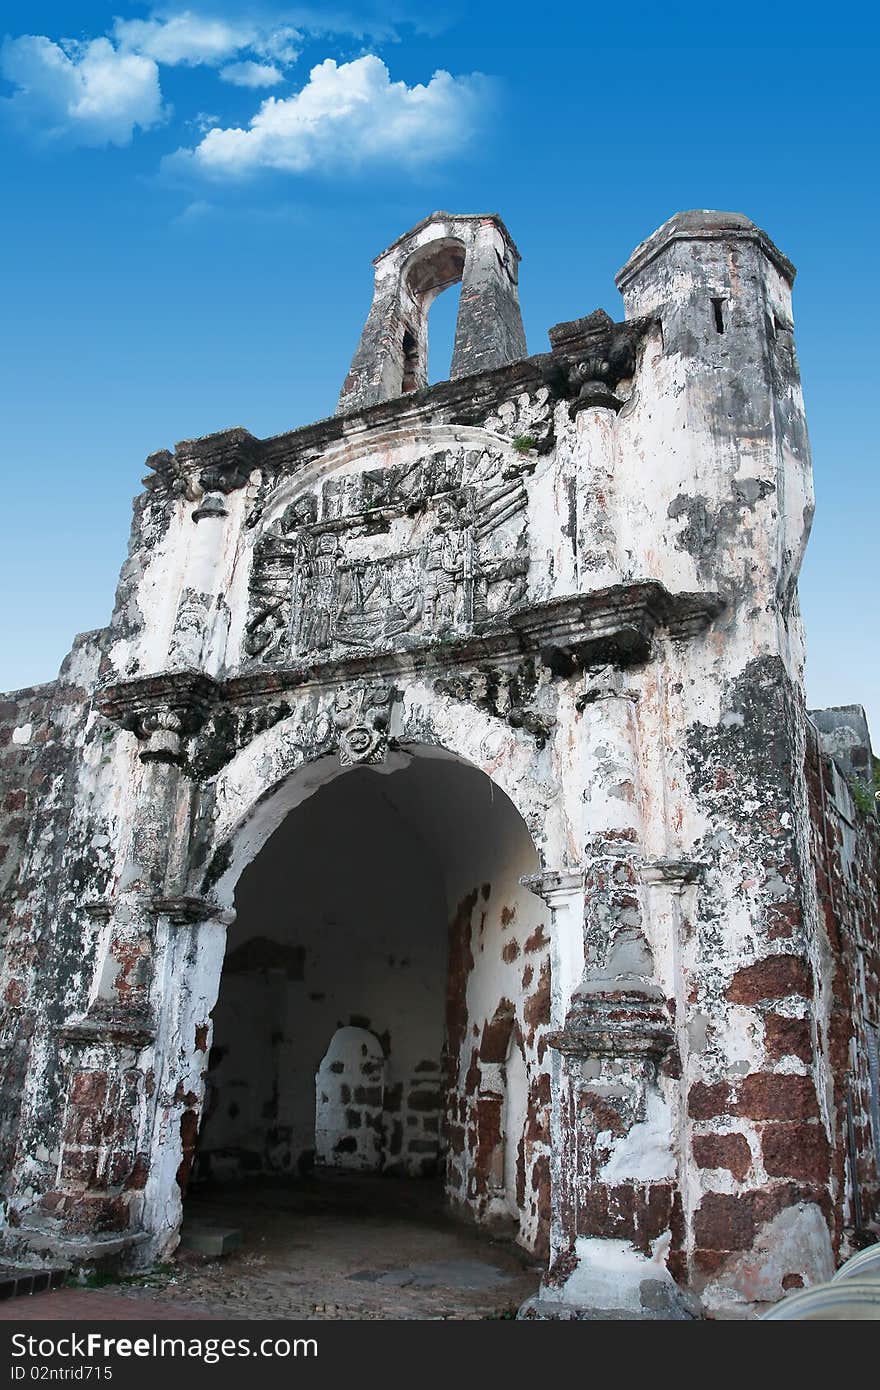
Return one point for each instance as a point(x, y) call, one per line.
point(846, 858)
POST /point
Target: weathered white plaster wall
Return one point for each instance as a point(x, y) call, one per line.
point(349, 1098)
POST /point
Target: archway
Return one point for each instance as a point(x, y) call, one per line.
point(430, 271)
point(384, 925)
point(350, 1102)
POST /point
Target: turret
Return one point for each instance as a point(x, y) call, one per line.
point(720, 417)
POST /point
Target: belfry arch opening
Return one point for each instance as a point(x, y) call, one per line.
point(430, 271)
point(442, 327)
point(385, 991)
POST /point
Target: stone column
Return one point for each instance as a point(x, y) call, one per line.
point(113, 1054)
point(671, 886)
point(597, 541)
point(617, 1191)
point(563, 892)
point(190, 644)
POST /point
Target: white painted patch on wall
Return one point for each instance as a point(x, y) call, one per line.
point(645, 1154)
point(516, 1100)
point(610, 1274)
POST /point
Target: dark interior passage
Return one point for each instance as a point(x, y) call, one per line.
point(382, 940)
point(335, 970)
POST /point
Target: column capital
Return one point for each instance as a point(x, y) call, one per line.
point(161, 710)
point(555, 885)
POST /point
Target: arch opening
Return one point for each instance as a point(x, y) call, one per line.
point(430, 271)
point(441, 331)
point(381, 934)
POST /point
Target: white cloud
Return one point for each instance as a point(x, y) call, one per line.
point(186, 38)
point(348, 115)
point(202, 121)
point(252, 74)
point(196, 40)
point(282, 43)
point(92, 93)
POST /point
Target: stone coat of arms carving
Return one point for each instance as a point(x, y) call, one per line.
point(427, 549)
point(361, 715)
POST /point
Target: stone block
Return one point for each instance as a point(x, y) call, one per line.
point(210, 1241)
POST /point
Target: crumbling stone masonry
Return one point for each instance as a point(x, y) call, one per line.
point(564, 893)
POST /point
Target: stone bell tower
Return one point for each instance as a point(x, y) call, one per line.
point(392, 356)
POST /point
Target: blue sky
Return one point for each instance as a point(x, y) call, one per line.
point(194, 193)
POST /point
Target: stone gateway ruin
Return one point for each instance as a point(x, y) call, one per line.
point(441, 799)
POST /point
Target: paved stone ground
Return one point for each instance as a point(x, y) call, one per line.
point(338, 1247)
point(97, 1305)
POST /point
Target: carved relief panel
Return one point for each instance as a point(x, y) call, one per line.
point(372, 560)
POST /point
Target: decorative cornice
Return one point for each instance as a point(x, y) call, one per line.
point(596, 354)
point(217, 463)
point(614, 625)
point(611, 626)
point(135, 1032)
point(161, 710)
point(185, 910)
point(587, 342)
point(554, 883)
point(467, 400)
point(624, 1024)
point(127, 701)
